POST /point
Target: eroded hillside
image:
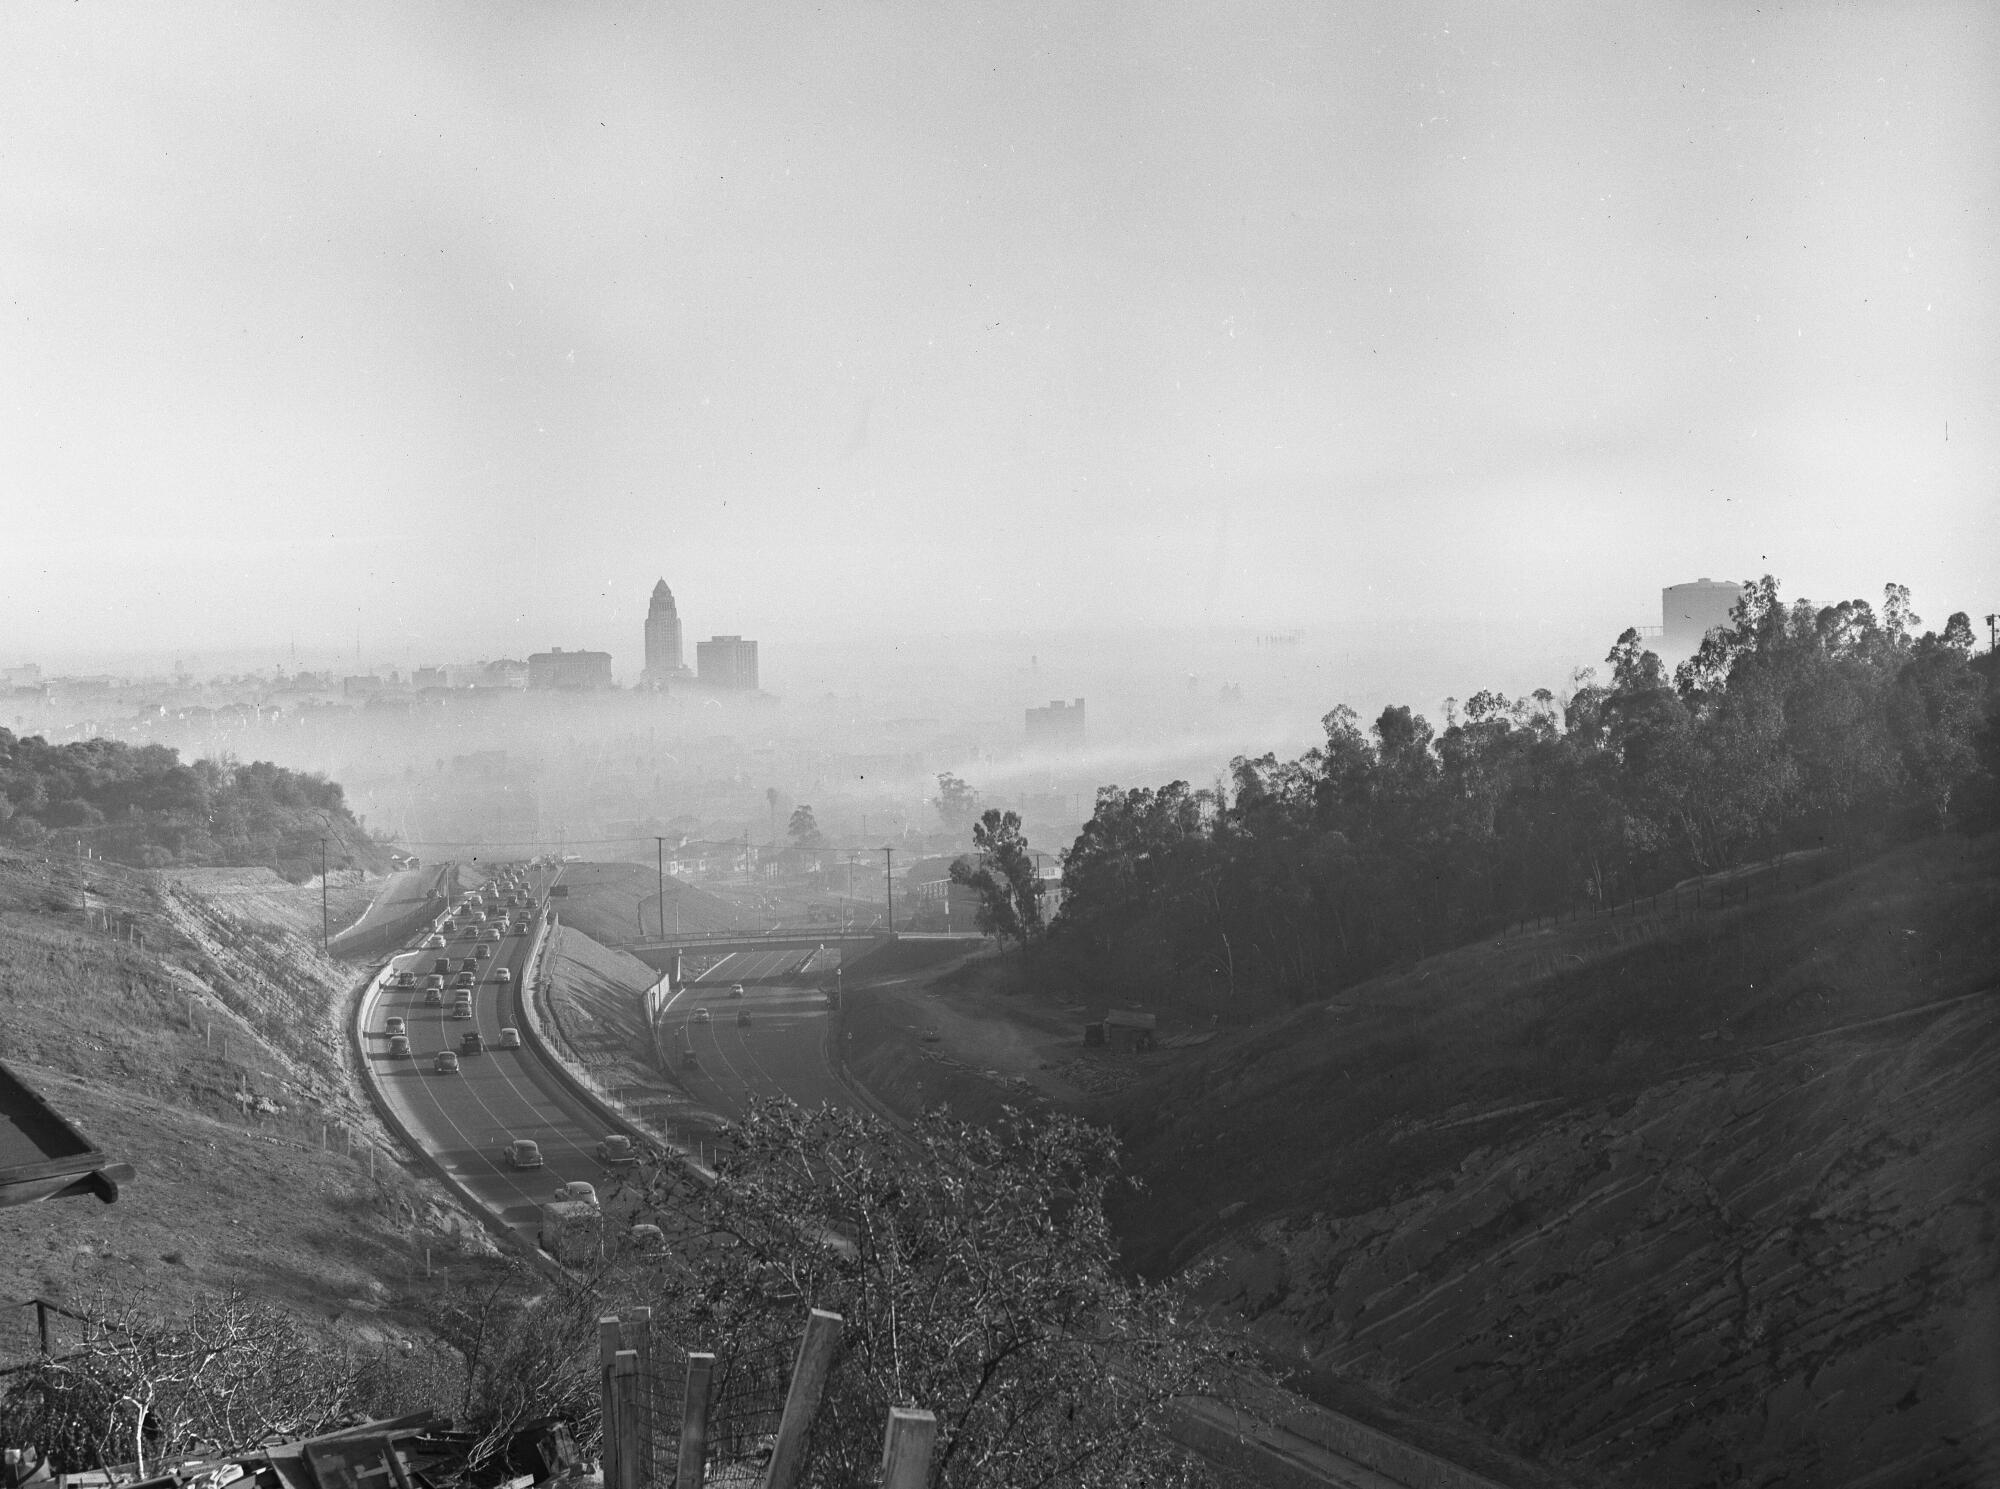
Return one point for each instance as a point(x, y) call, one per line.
point(1702, 1201)
point(200, 1041)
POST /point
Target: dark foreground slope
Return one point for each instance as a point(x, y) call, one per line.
point(1704, 1201)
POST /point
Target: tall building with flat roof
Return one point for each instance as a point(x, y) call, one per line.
point(1688, 612)
point(561, 669)
point(663, 640)
point(1059, 726)
point(727, 662)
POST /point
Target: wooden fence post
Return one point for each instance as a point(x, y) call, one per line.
point(608, 1345)
point(626, 1385)
point(693, 1464)
point(906, 1448)
point(809, 1373)
point(636, 1332)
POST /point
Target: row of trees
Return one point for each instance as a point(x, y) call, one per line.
point(1796, 727)
point(142, 806)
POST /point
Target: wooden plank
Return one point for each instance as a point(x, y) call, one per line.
point(816, 1346)
point(693, 1462)
point(906, 1448)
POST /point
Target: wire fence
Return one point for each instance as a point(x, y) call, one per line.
point(747, 1401)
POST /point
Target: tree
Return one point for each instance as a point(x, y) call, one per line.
point(143, 1389)
point(803, 830)
point(955, 803)
point(977, 1278)
point(1005, 878)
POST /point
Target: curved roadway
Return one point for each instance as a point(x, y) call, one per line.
point(466, 1120)
point(780, 1051)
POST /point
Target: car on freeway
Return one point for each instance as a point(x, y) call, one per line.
point(434, 996)
point(433, 939)
point(647, 1239)
point(481, 952)
point(524, 1152)
point(510, 1039)
point(503, 974)
point(492, 933)
point(441, 965)
point(742, 1016)
point(462, 1009)
point(395, 1025)
point(575, 1190)
point(436, 979)
point(405, 978)
point(616, 1151)
point(735, 989)
point(399, 1046)
point(472, 1042)
point(468, 963)
point(446, 1063)
point(702, 1016)
point(465, 979)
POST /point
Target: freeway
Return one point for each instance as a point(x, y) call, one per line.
point(780, 1051)
point(466, 1120)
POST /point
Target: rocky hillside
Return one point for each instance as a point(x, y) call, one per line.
point(1710, 1200)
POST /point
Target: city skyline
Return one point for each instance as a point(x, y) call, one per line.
point(432, 330)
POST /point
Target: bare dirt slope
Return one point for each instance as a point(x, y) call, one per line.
point(1704, 1202)
point(596, 1010)
point(614, 903)
point(264, 895)
point(200, 1042)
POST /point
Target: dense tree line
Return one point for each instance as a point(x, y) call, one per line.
point(142, 806)
point(1796, 727)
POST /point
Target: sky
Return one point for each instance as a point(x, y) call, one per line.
point(444, 330)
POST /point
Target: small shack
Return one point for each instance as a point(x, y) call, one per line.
point(1124, 1029)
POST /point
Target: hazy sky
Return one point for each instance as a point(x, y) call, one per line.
point(461, 324)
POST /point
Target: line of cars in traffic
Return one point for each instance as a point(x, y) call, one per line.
point(463, 941)
point(478, 921)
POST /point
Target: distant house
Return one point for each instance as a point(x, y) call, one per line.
point(1124, 1029)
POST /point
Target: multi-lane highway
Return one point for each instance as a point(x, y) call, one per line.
point(769, 1042)
point(466, 1120)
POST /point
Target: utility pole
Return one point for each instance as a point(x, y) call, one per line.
point(325, 941)
point(660, 871)
point(889, 878)
point(1993, 631)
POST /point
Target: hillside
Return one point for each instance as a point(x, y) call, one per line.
point(1666, 1200)
point(139, 805)
point(198, 1038)
point(614, 903)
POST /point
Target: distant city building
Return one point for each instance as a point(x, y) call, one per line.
point(1059, 726)
point(27, 675)
point(360, 687)
point(663, 640)
point(727, 662)
point(569, 670)
point(428, 677)
point(1688, 612)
